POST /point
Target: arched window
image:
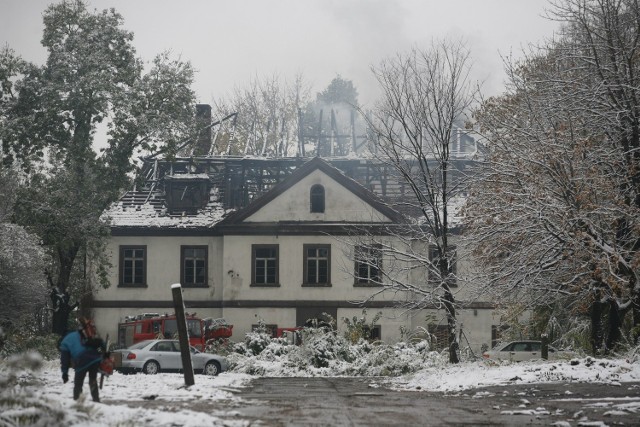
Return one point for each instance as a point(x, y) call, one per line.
point(317, 198)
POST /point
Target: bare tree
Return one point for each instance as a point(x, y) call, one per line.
point(267, 120)
point(603, 37)
point(555, 215)
point(425, 96)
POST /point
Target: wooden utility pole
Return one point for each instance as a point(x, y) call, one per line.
point(544, 353)
point(183, 336)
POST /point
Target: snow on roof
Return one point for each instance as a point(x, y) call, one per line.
point(135, 211)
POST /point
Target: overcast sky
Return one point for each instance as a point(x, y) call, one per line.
point(230, 41)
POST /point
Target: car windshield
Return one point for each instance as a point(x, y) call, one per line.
point(193, 325)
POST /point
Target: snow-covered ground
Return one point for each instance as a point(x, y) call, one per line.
point(480, 374)
point(44, 389)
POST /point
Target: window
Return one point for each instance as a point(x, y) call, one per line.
point(441, 334)
point(317, 198)
point(170, 328)
point(368, 265)
point(264, 265)
point(317, 265)
point(133, 266)
point(193, 266)
point(317, 317)
point(186, 192)
point(194, 327)
point(372, 334)
point(436, 262)
point(164, 346)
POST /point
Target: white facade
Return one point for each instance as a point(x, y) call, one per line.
point(236, 289)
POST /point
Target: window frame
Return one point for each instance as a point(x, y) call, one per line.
point(253, 265)
point(370, 281)
point(305, 265)
point(317, 198)
point(121, 274)
point(183, 249)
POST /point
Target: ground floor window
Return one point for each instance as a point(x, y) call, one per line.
point(271, 330)
point(317, 316)
point(441, 334)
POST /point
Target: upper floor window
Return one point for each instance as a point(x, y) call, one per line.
point(264, 265)
point(317, 265)
point(368, 265)
point(193, 266)
point(317, 198)
point(133, 266)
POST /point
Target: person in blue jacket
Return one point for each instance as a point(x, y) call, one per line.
point(83, 350)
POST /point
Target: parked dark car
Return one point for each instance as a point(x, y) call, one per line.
point(153, 356)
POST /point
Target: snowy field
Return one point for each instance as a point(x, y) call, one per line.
point(44, 390)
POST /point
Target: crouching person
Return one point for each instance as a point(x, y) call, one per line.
point(85, 350)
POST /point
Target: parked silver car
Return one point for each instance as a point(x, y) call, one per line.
point(518, 351)
point(153, 356)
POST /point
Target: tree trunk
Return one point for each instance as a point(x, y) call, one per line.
point(452, 323)
point(62, 306)
point(596, 326)
point(635, 312)
point(614, 326)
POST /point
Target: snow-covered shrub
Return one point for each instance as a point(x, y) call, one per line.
point(320, 347)
point(324, 352)
point(19, 406)
point(392, 360)
point(220, 346)
point(358, 328)
point(21, 341)
point(255, 341)
point(633, 355)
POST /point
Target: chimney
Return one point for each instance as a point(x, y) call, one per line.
point(203, 123)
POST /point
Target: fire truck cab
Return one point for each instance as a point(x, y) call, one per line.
point(150, 326)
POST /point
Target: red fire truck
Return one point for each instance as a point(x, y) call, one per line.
point(217, 329)
point(150, 326)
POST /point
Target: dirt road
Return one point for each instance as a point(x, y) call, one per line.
point(367, 402)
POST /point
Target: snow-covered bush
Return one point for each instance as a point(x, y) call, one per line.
point(358, 328)
point(254, 341)
point(19, 406)
point(22, 284)
point(219, 346)
point(320, 347)
point(17, 342)
point(324, 352)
